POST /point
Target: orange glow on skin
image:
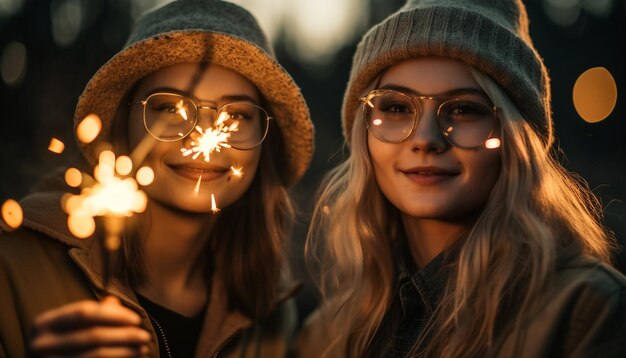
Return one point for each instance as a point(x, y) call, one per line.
point(56, 146)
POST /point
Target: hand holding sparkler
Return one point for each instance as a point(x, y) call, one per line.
point(89, 328)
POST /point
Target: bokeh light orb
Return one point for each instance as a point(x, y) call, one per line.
point(595, 94)
point(12, 214)
point(81, 226)
point(73, 177)
point(89, 128)
point(145, 176)
point(56, 146)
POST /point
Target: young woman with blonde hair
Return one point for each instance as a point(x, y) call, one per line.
point(451, 230)
point(192, 282)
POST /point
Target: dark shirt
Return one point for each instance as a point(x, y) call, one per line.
point(418, 293)
point(181, 332)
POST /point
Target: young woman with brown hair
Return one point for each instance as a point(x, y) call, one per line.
point(191, 282)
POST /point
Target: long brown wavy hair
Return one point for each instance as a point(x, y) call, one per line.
point(250, 237)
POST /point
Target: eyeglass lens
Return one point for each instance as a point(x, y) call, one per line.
point(171, 117)
point(392, 116)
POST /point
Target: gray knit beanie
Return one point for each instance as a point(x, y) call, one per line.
point(490, 35)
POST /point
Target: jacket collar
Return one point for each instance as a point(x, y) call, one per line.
point(428, 282)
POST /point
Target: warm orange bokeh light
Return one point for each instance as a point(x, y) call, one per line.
point(12, 214)
point(56, 146)
point(81, 226)
point(145, 176)
point(89, 128)
point(595, 94)
point(73, 177)
point(123, 165)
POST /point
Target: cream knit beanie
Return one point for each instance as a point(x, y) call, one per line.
point(490, 35)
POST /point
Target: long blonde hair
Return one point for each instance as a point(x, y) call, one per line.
point(535, 209)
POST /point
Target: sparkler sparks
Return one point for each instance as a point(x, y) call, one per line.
point(181, 109)
point(237, 172)
point(212, 139)
point(196, 190)
point(214, 207)
point(110, 195)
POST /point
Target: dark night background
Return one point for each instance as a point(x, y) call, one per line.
point(37, 103)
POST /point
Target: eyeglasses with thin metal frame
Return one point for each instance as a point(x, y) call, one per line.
point(392, 116)
point(170, 117)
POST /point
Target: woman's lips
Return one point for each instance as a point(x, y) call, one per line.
point(429, 175)
point(194, 171)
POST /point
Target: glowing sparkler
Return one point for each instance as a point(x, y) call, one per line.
point(212, 139)
point(111, 196)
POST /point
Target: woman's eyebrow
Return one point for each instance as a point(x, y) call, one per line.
point(167, 90)
point(224, 98)
point(449, 93)
point(238, 98)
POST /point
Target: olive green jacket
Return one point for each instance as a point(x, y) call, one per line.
point(42, 266)
point(582, 314)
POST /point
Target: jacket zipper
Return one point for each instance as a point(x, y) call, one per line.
point(167, 346)
point(219, 349)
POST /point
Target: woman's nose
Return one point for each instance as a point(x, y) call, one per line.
point(206, 116)
point(427, 136)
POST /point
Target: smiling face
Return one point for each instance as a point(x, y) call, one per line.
point(424, 176)
point(176, 176)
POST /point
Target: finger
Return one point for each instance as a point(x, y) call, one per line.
point(86, 313)
point(115, 352)
point(51, 342)
point(110, 300)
